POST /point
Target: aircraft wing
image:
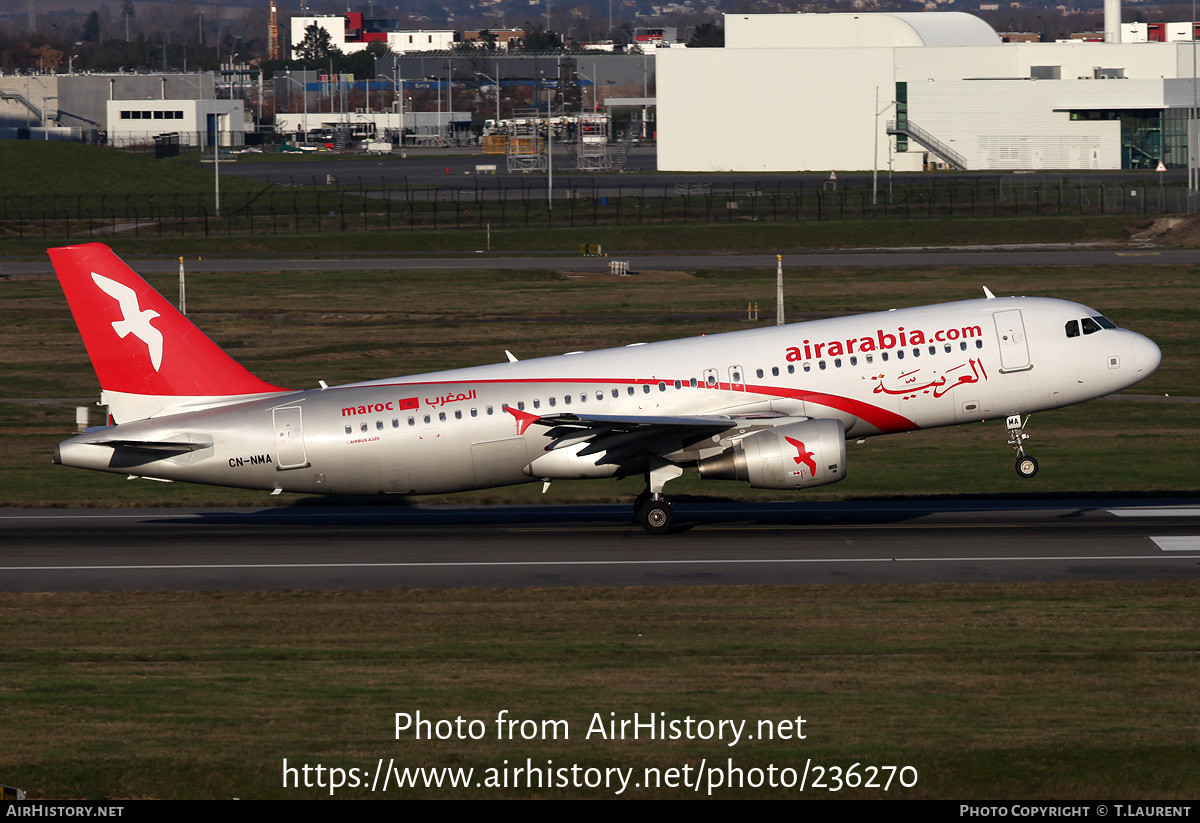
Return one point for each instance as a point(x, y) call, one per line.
point(626, 438)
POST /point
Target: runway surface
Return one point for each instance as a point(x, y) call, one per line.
point(365, 548)
point(865, 258)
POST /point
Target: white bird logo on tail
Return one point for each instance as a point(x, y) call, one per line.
point(134, 321)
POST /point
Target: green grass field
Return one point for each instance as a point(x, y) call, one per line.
point(1034, 691)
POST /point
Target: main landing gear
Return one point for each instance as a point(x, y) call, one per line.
point(1026, 465)
point(653, 512)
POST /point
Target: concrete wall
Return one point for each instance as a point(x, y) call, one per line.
point(814, 109)
point(79, 101)
point(190, 118)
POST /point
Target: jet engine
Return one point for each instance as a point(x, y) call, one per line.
point(795, 456)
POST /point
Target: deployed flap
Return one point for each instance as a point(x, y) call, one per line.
point(621, 439)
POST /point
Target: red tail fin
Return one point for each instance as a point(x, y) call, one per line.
point(138, 342)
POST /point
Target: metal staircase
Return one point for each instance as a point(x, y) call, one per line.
point(635, 127)
point(20, 98)
point(911, 130)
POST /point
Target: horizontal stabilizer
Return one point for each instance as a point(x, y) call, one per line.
point(152, 446)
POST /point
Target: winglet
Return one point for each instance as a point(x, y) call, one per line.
point(988, 293)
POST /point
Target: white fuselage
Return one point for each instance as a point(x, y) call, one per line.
point(473, 428)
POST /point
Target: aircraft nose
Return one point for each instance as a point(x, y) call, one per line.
point(1146, 355)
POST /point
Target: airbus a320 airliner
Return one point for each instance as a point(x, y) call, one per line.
point(771, 407)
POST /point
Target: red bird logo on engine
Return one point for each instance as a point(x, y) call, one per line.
point(803, 455)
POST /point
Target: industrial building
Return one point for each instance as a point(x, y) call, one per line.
point(353, 31)
point(915, 91)
point(120, 109)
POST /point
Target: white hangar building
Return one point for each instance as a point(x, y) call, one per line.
point(798, 92)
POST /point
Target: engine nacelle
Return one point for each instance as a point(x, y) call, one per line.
point(795, 456)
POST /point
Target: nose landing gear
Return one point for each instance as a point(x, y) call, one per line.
point(1026, 466)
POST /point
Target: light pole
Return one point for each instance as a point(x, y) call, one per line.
point(449, 99)
point(1192, 149)
point(497, 82)
point(232, 57)
point(593, 82)
point(45, 116)
point(875, 162)
point(217, 163)
point(304, 94)
point(549, 154)
point(400, 95)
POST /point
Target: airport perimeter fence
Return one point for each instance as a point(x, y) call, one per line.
point(518, 202)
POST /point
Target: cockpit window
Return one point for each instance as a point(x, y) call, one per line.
point(1104, 321)
point(1090, 326)
point(1072, 328)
